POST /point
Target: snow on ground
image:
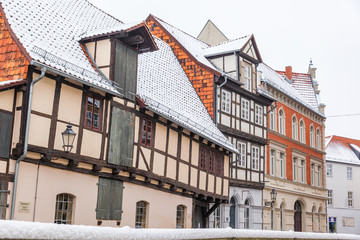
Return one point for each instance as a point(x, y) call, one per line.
point(35, 230)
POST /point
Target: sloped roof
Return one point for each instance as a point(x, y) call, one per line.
point(342, 149)
point(278, 81)
point(49, 32)
point(227, 47)
point(166, 89)
point(11, 83)
point(303, 84)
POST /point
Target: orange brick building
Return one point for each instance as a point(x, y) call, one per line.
point(295, 160)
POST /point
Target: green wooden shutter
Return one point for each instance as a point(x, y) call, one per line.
point(104, 199)
point(131, 74)
point(6, 121)
point(116, 200)
point(125, 70)
point(121, 139)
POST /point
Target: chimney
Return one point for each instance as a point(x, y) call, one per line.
point(288, 72)
point(312, 70)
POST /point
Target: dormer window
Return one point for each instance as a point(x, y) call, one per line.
point(247, 77)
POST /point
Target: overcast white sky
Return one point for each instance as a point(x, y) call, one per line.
point(288, 33)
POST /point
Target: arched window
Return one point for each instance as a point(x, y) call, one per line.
point(281, 122)
point(302, 131)
point(319, 219)
point(297, 217)
point(318, 139)
point(247, 214)
point(272, 120)
point(180, 216)
point(64, 208)
point(232, 212)
point(294, 128)
point(141, 215)
point(282, 217)
point(312, 136)
point(312, 218)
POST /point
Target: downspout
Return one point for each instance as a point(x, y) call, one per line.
point(22, 157)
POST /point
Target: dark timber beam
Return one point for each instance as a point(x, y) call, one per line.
point(212, 209)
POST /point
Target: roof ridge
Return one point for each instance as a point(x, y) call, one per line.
point(103, 11)
point(159, 19)
point(230, 40)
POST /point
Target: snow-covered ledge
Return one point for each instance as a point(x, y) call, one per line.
point(34, 230)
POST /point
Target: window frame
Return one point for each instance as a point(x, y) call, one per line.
point(272, 120)
point(312, 174)
point(213, 165)
point(146, 143)
point(349, 173)
point(281, 121)
point(318, 139)
point(350, 199)
point(247, 76)
point(282, 161)
point(302, 135)
point(245, 109)
point(180, 218)
point(272, 162)
point(303, 170)
point(142, 215)
point(330, 200)
point(329, 170)
point(294, 126)
point(242, 156)
point(294, 169)
point(319, 182)
point(225, 101)
point(259, 114)
point(62, 208)
point(255, 158)
point(312, 136)
point(98, 129)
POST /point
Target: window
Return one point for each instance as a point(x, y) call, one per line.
point(247, 77)
point(312, 137)
point(294, 128)
point(247, 214)
point(329, 170)
point(281, 122)
point(121, 139)
point(312, 218)
point(294, 169)
point(350, 199)
point(348, 222)
point(141, 215)
point(282, 165)
point(272, 217)
point(318, 139)
point(272, 162)
point(302, 168)
point(258, 114)
point(349, 173)
point(180, 216)
point(319, 176)
point(319, 219)
point(64, 208)
point(272, 120)
point(93, 111)
point(6, 122)
point(109, 201)
point(255, 158)
point(302, 132)
point(330, 197)
point(225, 101)
point(125, 70)
point(281, 217)
point(146, 132)
point(312, 174)
point(210, 161)
point(245, 108)
point(241, 162)
point(217, 217)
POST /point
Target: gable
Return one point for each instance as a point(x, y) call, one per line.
point(13, 63)
point(250, 49)
point(211, 35)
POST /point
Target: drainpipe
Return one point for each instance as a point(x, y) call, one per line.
point(22, 157)
point(216, 99)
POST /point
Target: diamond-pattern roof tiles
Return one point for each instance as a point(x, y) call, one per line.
point(165, 88)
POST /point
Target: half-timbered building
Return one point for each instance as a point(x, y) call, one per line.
point(225, 79)
point(146, 151)
point(295, 159)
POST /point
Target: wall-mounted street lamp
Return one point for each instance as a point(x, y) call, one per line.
point(68, 137)
point(273, 194)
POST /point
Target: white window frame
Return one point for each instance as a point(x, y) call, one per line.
point(242, 156)
point(330, 197)
point(295, 169)
point(272, 120)
point(281, 122)
point(319, 175)
point(302, 168)
point(294, 128)
point(318, 139)
point(272, 162)
point(245, 109)
point(312, 137)
point(350, 199)
point(259, 112)
point(247, 77)
point(225, 101)
point(349, 173)
point(255, 158)
point(312, 174)
point(302, 131)
point(282, 161)
point(329, 170)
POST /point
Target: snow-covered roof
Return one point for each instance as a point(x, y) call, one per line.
point(341, 149)
point(35, 230)
point(11, 82)
point(303, 84)
point(49, 31)
point(192, 44)
point(227, 47)
point(166, 89)
point(271, 77)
